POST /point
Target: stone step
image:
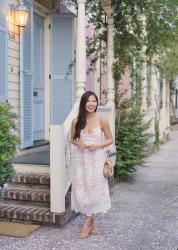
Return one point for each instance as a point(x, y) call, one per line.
point(27, 203)
point(31, 168)
point(26, 194)
point(23, 185)
point(33, 214)
point(32, 178)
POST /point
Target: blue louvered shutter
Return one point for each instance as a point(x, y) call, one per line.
point(26, 80)
point(3, 50)
point(62, 72)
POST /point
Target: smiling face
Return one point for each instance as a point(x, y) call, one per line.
point(91, 104)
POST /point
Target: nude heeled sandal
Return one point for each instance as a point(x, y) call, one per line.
point(93, 231)
point(84, 236)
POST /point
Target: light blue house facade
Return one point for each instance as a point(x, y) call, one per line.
point(35, 73)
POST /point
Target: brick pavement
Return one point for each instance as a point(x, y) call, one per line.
point(144, 214)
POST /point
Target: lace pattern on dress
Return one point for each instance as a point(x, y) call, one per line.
point(90, 191)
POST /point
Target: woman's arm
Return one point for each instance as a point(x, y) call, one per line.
point(107, 133)
point(72, 140)
point(76, 141)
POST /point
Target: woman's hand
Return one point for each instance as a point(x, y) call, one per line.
point(81, 145)
point(94, 146)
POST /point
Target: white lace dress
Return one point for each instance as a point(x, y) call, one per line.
point(90, 191)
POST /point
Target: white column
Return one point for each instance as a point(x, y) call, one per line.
point(97, 78)
point(164, 118)
point(57, 168)
point(154, 83)
point(144, 82)
point(153, 110)
point(164, 93)
point(110, 56)
point(168, 115)
point(110, 60)
point(80, 51)
point(144, 67)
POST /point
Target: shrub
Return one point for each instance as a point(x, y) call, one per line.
point(131, 140)
point(8, 142)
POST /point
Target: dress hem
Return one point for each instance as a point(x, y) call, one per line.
point(90, 214)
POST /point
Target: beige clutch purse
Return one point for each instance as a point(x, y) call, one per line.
point(108, 169)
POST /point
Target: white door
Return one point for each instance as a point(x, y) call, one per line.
point(38, 78)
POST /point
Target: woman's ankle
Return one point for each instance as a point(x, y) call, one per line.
point(88, 220)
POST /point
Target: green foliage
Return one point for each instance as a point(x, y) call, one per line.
point(131, 140)
point(167, 61)
point(140, 28)
point(157, 134)
point(157, 32)
point(8, 142)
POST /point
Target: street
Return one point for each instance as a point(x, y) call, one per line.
point(144, 214)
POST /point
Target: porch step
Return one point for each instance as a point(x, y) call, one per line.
point(27, 199)
point(31, 168)
point(34, 149)
point(32, 178)
point(27, 194)
point(32, 205)
point(37, 158)
point(34, 214)
point(27, 204)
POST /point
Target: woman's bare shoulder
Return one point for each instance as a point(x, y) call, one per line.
point(74, 121)
point(102, 120)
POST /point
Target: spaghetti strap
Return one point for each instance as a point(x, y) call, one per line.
point(99, 123)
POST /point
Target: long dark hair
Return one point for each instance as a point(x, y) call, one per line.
point(81, 119)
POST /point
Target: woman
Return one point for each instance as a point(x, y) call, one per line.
point(90, 192)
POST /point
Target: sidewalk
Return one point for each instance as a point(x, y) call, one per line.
point(144, 214)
